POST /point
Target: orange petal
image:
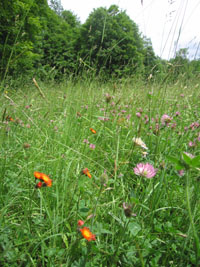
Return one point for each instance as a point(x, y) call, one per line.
point(45, 178)
point(86, 172)
point(85, 231)
point(93, 131)
point(89, 175)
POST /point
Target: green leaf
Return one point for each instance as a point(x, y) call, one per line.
point(173, 159)
point(195, 162)
point(178, 164)
point(186, 158)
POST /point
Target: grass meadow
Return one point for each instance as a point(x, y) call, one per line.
point(97, 184)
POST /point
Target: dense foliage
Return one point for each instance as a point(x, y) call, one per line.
point(42, 39)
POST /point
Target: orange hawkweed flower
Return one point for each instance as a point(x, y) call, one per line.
point(43, 177)
point(8, 118)
point(87, 234)
point(93, 131)
point(39, 185)
point(86, 172)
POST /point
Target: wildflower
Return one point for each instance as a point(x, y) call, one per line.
point(128, 210)
point(86, 233)
point(123, 111)
point(181, 172)
point(128, 117)
point(138, 114)
point(103, 118)
point(139, 142)
point(93, 131)
point(44, 178)
point(86, 172)
point(92, 146)
point(8, 118)
point(28, 106)
point(144, 154)
point(191, 144)
point(166, 119)
point(145, 170)
point(177, 113)
point(80, 222)
point(39, 185)
point(86, 141)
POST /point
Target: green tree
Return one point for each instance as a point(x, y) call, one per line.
point(56, 6)
point(58, 45)
point(110, 41)
point(151, 62)
point(181, 64)
point(21, 22)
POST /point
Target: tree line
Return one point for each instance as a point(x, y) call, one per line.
point(42, 39)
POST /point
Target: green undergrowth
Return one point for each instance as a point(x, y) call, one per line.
point(50, 133)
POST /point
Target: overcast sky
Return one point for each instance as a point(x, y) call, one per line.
point(163, 21)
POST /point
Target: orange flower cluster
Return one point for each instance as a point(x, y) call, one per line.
point(44, 180)
point(87, 234)
point(93, 131)
point(86, 172)
point(8, 118)
point(85, 231)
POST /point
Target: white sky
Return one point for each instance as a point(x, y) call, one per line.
point(159, 20)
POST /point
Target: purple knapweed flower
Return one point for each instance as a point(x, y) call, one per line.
point(138, 114)
point(112, 103)
point(103, 118)
point(165, 119)
point(92, 146)
point(145, 170)
point(128, 116)
point(191, 144)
